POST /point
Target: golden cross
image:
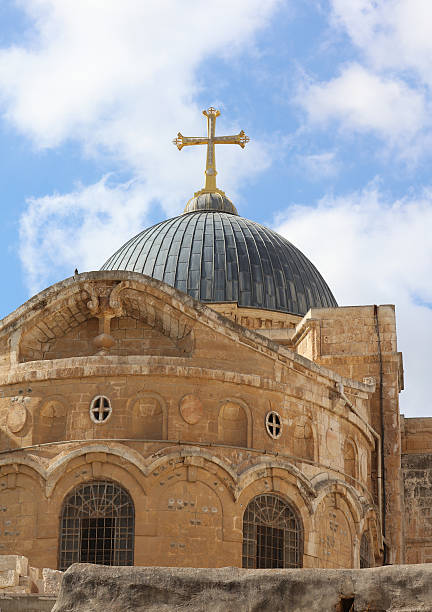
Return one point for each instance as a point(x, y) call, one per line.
point(210, 172)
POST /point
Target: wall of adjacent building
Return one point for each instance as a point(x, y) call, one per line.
point(417, 486)
point(360, 342)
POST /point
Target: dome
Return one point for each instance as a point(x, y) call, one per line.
point(217, 256)
point(211, 201)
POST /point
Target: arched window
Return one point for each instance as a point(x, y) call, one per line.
point(350, 456)
point(51, 426)
point(97, 525)
point(232, 424)
point(272, 534)
point(303, 440)
point(365, 552)
point(147, 418)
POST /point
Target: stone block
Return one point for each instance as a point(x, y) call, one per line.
point(28, 584)
point(51, 580)
point(34, 573)
point(8, 578)
point(20, 590)
point(17, 563)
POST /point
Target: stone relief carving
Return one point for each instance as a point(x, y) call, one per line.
point(107, 302)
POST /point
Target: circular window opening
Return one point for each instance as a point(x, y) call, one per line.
point(273, 424)
point(100, 409)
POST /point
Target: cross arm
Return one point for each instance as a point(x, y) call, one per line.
point(184, 141)
point(240, 139)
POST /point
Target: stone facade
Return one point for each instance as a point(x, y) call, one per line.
point(417, 479)
point(186, 430)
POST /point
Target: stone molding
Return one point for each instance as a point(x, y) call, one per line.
point(73, 294)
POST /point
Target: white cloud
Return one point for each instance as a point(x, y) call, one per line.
point(372, 250)
point(80, 229)
point(319, 165)
point(391, 34)
point(387, 90)
point(363, 101)
point(121, 78)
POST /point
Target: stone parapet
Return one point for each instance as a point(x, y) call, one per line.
point(164, 589)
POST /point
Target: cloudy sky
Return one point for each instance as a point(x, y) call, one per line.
point(335, 95)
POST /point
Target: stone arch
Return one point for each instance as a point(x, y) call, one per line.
point(370, 528)
point(94, 462)
point(50, 425)
point(272, 533)
point(365, 551)
point(275, 479)
point(303, 438)
point(147, 415)
point(350, 456)
point(290, 472)
point(192, 514)
point(234, 423)
point(337, 532)
point(97, 525)
point(325, 486)
point(193, 492)
point(21, 495)
point(23, 464)
point(193, 458)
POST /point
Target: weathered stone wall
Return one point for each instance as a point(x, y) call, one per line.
point(417, 479)
point(416, 435)
point(256, 318)
point(186, 437)
point(88, 588)
point(360, 342)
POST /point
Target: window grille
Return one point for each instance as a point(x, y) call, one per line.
point(272, 534)
point(100, 409)
point(97, 526)
point(365, 552)
point(273, 424)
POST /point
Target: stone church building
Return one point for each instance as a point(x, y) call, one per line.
point(203, 401)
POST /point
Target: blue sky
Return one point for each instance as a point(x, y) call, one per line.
point(335, 96)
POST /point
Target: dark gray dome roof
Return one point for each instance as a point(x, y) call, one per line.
point(221, 257)
point(210, 201)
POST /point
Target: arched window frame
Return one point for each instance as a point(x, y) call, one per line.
point(237, 400)
point(350, 442)
point(292, 553)
point(38, 427)
point(365, 551)
point(149, 394)
point(304, 421)
point(80, 506)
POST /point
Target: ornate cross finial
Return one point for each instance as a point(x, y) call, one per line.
point(210, 172)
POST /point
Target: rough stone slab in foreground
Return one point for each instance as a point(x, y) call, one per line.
point(93, 588)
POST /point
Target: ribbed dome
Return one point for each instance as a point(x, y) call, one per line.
point(221, 257)
point(211, 201)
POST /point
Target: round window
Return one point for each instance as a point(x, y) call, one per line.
point(273, 424)
point(100, 409)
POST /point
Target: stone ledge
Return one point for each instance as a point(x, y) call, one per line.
point(91, 588)
point(26, 603)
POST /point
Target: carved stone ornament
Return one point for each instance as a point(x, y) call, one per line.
point(104, 304)
point(16, 417)
point(191, 409)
